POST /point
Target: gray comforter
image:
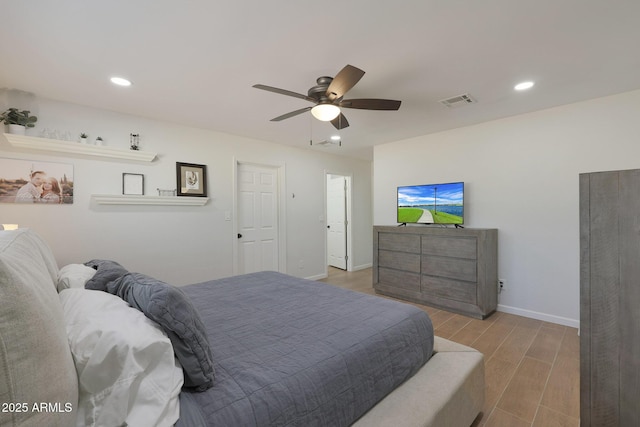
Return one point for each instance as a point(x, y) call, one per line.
point(293, 352)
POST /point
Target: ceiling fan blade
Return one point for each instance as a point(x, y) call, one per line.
point(291, 114)
point(370, 104)
point(343, 81)
point(340, 122)
point(284, 92)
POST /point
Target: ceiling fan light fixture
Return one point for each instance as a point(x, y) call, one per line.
point(325, 112)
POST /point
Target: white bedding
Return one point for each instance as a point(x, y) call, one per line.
point(126, 367)
point(74, 276)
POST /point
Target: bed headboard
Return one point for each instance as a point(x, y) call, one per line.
point(36, 366)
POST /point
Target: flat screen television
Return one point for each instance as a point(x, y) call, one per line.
point(431, 203)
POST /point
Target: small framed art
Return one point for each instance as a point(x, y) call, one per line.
point(133, 183)
point(192, 179)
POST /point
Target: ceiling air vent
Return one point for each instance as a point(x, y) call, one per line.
point(327, 143)
point(458, 101)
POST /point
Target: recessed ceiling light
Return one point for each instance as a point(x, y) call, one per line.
point(524, 86)
point(120, 81)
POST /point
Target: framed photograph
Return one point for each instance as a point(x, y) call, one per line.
point(26, 181)
point(133, 183)
point(192, 179)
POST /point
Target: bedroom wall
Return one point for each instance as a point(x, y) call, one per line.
point(521, 177)
point(182, 245)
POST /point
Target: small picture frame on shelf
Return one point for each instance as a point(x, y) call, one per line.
point(166, 193)
point(133, 184)
point(192, 179)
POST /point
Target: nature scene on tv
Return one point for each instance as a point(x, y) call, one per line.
point(431, 204)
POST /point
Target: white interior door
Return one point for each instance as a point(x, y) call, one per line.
point(257, 218)
point(337, 221)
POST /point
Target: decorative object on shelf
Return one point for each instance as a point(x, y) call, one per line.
point(55, 134)
point(192, 179)
point(134, 141)
point(99, 141)
point(17, 121)
point(166, 193)
point(133, 183)
point(52, 146)
point(27, 182)
point(83, 138)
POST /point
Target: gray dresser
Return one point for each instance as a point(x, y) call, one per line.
point(610, 298)
point(452, 268)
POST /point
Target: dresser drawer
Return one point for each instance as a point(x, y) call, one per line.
point(399, 261)
point(450, 268)
point(450, 289)
point(399, 242)
point(458, 247)
point(399, 279)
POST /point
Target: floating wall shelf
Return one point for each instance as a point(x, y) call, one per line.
point(68, 147)
point(108, 199)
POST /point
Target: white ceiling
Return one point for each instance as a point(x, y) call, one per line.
point(193, 62)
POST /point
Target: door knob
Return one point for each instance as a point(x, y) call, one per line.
point(239, 236)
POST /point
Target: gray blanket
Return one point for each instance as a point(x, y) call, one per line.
point(293, 352)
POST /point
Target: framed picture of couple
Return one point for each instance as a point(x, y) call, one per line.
point(192, 179)
point(25, 181)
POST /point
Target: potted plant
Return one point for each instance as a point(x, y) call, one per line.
point(99, 140)
point(83, 138)
point(17, 121)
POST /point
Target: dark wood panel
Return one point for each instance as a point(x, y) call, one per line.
point(452, 289)
point(399, 261)
point(400, 279)
point(451, 268)
point(604, 300)
point(457, 247)
point(629, 292)
point(399, 242)
point(585, 307)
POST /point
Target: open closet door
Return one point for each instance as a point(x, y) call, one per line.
point(336, 221)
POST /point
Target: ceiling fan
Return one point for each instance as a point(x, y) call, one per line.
point(328, 95)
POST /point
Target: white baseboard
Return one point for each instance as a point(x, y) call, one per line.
point(361, 267)
point(317, 277)
point(539, 316)
point(324, 276)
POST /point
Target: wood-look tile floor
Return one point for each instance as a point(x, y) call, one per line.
point(532, 368)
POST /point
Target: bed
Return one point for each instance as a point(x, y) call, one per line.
point(95, 344)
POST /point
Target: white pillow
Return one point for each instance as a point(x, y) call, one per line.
point(127, 372)
point(74, 276)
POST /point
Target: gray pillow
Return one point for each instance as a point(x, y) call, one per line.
point(169, 307)
point(106, 272)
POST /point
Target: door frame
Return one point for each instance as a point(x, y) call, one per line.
point(281, 206)
point(348, 228)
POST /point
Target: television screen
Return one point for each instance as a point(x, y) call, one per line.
point(431, 204)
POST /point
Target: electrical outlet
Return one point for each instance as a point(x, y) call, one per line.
point(501, 285)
